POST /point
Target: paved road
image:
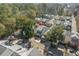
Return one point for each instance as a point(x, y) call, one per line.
point(74, 28)
point(68, 33)
point(67, 36)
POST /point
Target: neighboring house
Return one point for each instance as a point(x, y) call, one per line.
point(67, 25)
point(74, 40)
point(65, 22)
point(7, 52)
point(17, 33)
point(44, 19)
point(58, 22)
point(40, 30)
point(17, 50)
point(62, 21)
point(41, 19)
point(49, 23)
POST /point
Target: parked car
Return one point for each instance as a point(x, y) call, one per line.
point(67, 27)
point(77, 53)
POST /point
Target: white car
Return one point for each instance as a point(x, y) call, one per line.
point(77, 53)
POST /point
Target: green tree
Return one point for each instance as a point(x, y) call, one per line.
point(5, 11)
point(27, 30)
point(2, 30)
point(55, 35)
point(13, 14)
point(7, 17)
point(60, 11)
point(31, 13)
point(67, 12)
point(10, 24)
point(25, 20)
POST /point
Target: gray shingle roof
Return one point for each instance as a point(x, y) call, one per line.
point(7, 52)
point(34, 52)
point(12, 51)
point(15, 54)
point(2, 49)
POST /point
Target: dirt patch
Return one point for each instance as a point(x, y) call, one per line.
point(37, 44)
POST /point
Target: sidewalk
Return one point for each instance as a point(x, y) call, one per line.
point(74, 28)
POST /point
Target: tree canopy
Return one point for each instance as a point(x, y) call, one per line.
point(55, 35)
point(2, 30)
point(17, 16)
